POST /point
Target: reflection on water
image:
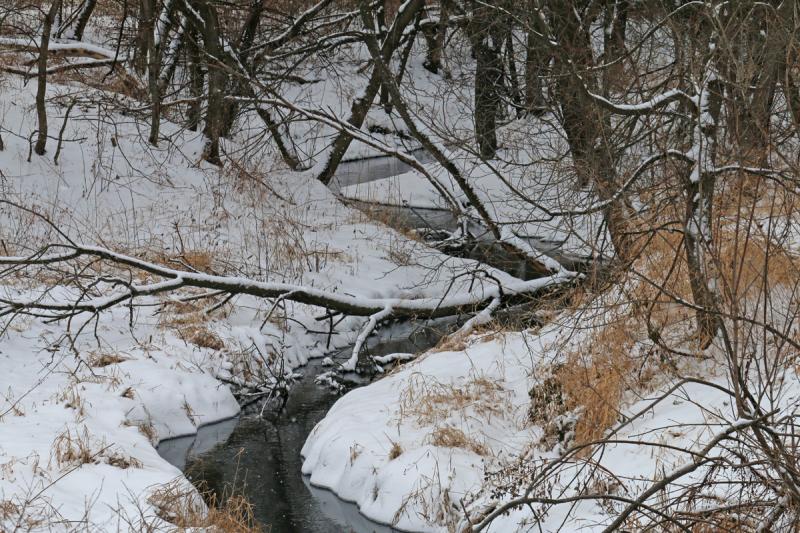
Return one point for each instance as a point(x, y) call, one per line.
point(261, 458)
point(178, 451)
point(482, 247)
point(374, 168)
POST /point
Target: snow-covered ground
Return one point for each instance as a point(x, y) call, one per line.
point(453, 433)
point(80, 415)
point(523, 196)
point(449, 434)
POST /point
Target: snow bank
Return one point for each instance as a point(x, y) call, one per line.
point(79, 420)
point(449, 432)
point(77, 433)
point(384, 446)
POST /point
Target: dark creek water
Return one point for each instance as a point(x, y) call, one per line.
point(483, 247)
point(261, 458)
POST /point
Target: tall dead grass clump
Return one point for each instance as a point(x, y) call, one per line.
point(452, 437)
point(79, 448)
point(190, 321)
point(180, 504)
point(442, 407)
point(430, 401)
point(595, 378)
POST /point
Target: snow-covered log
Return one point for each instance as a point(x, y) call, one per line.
point(171, 280)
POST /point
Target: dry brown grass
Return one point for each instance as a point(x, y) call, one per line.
point(102, 359)
point(745, 265)
point(74, 449)
point(73, 400)
point(146, 428)
point(190, 322)
point(452, 437)
point(456, 342)
point(201, 260)
point(429, 401)
point(193, 259)
point(202, 337)
point(594, 379)
point(181, 505)
point(441, 407)
point(8, 509)
point(395, 451)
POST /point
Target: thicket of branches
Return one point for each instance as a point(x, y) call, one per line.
point(680, 118)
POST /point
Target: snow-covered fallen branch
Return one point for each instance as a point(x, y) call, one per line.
point(170, 280)
point(91, 63)
point(383, 314)
point(73, 48)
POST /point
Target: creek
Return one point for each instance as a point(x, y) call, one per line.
point(260, 458)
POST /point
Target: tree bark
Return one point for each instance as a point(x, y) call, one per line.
point(435, 35)
point(196, 78)
point(245, 42)
point(144, 32)
point(83, 19)
point(215, 113)
point(513, 79)
point(698, 218)
point(488, 78)
point(536, 60)
point(362, 105)
point(41, 85)
point(153, 71)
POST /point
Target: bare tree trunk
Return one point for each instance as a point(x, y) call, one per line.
point(580, 117)
point(358, 112)
point(144, 33)
point(196, 79)
point(615, 29)
point(41, 86)
point(772, 70)
point(536, 59)
point(585, 123)
point(513, 80)
point(171, 56)
point(287, 152)
point(83, 19)
point(615, 23)
point(153, 71)
point(488, 78)
point(215, 113)
point(361, 106)
point(698, 219)
point(380, 18)
point(435, 35)
point(246, 39)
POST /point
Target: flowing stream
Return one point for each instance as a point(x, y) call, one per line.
point(261, 458)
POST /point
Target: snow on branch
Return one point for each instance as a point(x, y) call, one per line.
point(65, 48)
point(171, 280)
point(642, 108)
point(368, 328)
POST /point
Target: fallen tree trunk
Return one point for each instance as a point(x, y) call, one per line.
point(70, 49)
point(171, 280)
point(58, 69)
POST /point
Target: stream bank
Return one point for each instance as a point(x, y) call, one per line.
point(261, 459)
